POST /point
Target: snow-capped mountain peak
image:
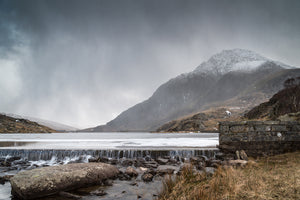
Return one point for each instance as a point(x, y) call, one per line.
point(232, 60)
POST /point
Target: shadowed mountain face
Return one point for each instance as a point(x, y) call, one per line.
point(284, 102)
point(231, 74)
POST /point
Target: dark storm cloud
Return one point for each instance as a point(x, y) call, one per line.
point(83, 62)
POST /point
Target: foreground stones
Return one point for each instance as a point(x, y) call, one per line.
point(65, 179)
point(46, 181)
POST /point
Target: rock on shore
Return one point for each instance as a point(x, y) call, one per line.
point(51, 180)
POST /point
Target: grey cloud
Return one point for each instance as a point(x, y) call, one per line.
point(86, 61)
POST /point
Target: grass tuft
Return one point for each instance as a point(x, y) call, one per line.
point(276, 177)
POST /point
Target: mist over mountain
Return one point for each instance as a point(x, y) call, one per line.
point(230, 74)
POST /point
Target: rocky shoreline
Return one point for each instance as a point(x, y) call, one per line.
point(132, 173)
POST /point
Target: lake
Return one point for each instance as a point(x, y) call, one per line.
point(122, 140)
point(62, 148)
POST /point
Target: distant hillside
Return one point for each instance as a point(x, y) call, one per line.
point(230, 77)
point(285, 103)
point(53, 125)
point(206, 121)
point(16, 125)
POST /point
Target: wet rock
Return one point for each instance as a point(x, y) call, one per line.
point(162, 161)
point(127, 162)
point(104, 159)
point(237, 155)
point(215, 163)
point(173, 161)
point(98, 193)
point(13, 158)
point(21, 162)
point(166, 169)
point(219, 156)
point(92, 159)
point(142, 169)
point(210, 170)
point(123, 177)
point(108, 182)
point(131, 172)
point(200, 166)
point(237, 163)
point(139, 162)
point(243, 155)
point(148, 158)
point(151, 164)
point(203, 158)
point(113, 161)
point(5, 178)
point(152, 171)
point(46, 181)
point(133, 184)
point(2, 181)
point(69, 195)
point(147, 177)
point(6, 164)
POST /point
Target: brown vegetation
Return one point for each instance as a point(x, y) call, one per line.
point(14, 125)
point(206, 121)
point(276, 177)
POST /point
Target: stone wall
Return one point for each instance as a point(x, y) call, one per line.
point(258, 138)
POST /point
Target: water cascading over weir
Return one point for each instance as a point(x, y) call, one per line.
point(48, 154)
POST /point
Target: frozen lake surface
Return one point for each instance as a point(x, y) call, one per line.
point(124, 140)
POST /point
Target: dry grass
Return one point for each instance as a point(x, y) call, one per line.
point(276, 177)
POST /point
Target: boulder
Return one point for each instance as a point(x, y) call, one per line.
point(151, 164)
point(131, 172)
point(237, 154)
point(147, 177)
point(46, 181)
point(237, 163)
point(243, 155)
point(210, 170)
point(166, 169)
point(5, 178)
point(162, 161)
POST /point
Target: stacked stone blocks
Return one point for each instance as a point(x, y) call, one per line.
point(258, 138)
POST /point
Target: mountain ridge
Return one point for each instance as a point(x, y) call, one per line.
point(190, 92)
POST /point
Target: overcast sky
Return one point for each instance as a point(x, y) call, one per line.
point(84, 62)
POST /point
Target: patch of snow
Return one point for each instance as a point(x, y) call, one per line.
point(234, 60)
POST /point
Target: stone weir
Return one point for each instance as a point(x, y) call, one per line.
point(258, 138)
point(48, 154)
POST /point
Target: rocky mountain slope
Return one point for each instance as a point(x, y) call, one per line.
point(17, 125)
point(230, 77)
point(206, 121)
point(283, 105)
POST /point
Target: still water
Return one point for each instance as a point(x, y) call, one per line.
point(109, 140)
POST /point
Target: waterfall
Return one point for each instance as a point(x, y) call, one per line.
point(47, 154)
